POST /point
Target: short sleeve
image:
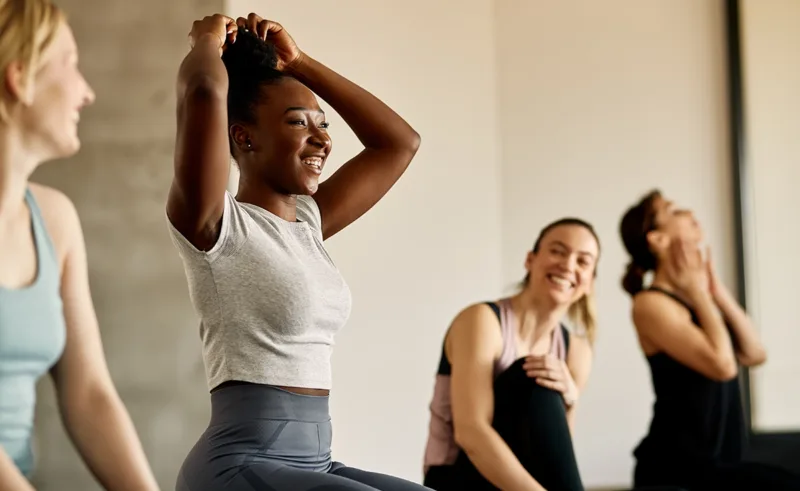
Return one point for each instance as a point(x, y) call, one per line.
point(308, 211)
point(234, 230)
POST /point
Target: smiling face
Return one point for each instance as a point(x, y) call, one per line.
point(564, 263)
point(289, 142)
point(51, 105)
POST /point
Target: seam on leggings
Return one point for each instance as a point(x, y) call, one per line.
point(272, 438)
point(244, 467)
point(254, 480)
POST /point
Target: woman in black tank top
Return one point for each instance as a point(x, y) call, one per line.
point(694, 335)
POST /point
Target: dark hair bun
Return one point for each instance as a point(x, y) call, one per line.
point(250, 63)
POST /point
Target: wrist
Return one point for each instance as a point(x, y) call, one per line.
point(210, 39)
point(698, 294)
point(722, 295)
point(296, 65)
point(570, 398)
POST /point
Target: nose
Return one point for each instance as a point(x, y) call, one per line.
point(570, 264)
point(89, 97)
point(320, 139)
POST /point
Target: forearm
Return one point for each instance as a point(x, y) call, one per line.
point(11, 479)
point(105, 437)
point(375, 124)
point(750, 349)
point(713, 325)
point(496, 462)
point(203, 67)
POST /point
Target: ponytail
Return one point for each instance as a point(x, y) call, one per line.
point(633, 281)
point(584, 313)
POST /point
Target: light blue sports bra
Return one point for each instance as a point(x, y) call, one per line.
point(32, 337)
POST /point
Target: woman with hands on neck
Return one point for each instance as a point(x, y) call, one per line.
point(268, 294)
point(694, 335)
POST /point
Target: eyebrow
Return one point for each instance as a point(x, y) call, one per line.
point(565, 246)
point(302, 109)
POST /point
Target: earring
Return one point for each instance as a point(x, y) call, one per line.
point(249, 144)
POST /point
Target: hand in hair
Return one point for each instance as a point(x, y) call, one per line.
point(686, 268)
point(554, 374)
point(286, 49)
point(217, 27)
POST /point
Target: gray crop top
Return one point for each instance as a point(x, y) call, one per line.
point(268, 296)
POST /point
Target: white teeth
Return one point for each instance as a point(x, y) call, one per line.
point(315, 162)
point(560, 281)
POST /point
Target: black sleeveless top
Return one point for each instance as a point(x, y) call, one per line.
point(696, 420)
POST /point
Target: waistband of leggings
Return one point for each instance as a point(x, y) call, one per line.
point(242, 402)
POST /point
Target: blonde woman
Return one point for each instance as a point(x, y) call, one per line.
point(47, 320)
point(510, 375)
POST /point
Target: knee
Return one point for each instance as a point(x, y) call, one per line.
point(515, 382)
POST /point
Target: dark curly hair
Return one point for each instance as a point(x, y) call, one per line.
point(251, 63)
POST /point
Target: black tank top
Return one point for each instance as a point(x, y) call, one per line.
point(696, 420)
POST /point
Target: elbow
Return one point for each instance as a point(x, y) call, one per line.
point(414, 141)
point(77, 403)
point(754, 359)
point(725, 369)
point(408, 145)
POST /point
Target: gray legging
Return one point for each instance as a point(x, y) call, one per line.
point(266, 439)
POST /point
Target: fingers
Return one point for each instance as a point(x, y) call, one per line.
point(263, 29)
point(258, 26)
point(534, 362)
point(252, 22)
point(557, 386)
point(219, 25)
point(547, 367)
point(545, 374)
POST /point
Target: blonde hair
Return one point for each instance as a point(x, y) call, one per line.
point(584, 313)
point(27, 28)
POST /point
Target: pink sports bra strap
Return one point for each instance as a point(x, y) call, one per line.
point(508, 324)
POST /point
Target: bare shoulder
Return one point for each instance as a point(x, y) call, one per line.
point(476, 325)
point(476, 317)
point(580, 347)
point(653, 308)
point(60, 216)
point(655, 314)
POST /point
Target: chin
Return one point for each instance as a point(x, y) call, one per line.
point(67, 148)
point(560, 297)
point(309, 187)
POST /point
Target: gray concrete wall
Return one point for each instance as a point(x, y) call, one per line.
point(130, 52)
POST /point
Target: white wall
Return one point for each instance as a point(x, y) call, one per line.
point(599, 102)
point(591, 97)
point(771, 73)
point(433, 244)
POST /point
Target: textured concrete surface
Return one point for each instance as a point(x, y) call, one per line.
point(130, 53)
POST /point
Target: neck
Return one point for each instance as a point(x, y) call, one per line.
point(538, 316)
point(256, 193)
point(661, 280)
point(16, 166)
